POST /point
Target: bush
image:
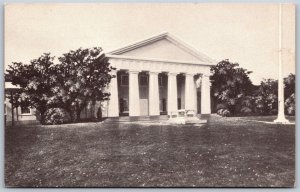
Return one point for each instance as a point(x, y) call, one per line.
point(246, 111)
point(56, 116)
point(291, 110)
point(223, 112)
point(290, 105)
point(221, 106)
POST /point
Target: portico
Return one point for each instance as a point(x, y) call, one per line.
point(158, 76)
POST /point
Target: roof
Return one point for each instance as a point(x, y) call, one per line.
point(163, 36)
point(9, 85)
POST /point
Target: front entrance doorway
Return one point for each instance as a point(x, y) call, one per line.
point(144, 107)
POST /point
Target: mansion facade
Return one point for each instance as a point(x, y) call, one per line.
point(155, 76)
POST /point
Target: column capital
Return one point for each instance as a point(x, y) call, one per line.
point(189, 74)
point(133, 72)
point(154, 72)
point(172, 73)
point(205, 76)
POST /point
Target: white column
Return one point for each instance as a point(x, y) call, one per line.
point(134, 94)
point(280, 116)
point(205, 95)
point(153, 94)
point(113, 103)
point(172, 93)
point(190, 92)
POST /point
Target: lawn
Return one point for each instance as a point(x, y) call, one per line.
point(225, 152)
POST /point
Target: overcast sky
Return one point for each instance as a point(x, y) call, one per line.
point(243, 33)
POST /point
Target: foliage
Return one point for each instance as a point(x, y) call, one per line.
point(223, 112)
point(246, 106)
point(82, 77)
point(56, 116)
point(266, 101)
point(233, 90)
point(246, 111)
point(230, 84)
point(221, 106)
point(289, 85)
point(35, 81)
point(290, 105)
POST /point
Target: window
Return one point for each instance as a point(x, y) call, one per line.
point(178, 103)
point(143, 80)
point(124, 105)
point(25, 111)
point(160, 81)
point(124, 80)
point(162, 105)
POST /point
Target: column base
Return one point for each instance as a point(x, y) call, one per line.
point(281, 120)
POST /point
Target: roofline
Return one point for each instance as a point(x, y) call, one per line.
point(137, 44)
point(160, 36)
point(189, 48)
point(158, 60)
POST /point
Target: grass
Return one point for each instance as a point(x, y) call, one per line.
point(226, 152)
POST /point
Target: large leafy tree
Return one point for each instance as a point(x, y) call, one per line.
point(82, 77)
point(230, 85)
point(35, 81)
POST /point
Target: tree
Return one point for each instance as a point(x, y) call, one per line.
point(35, 81)
point(230, 85)
point(82, 77)
point(289, 85)
point(266, 97)
point(289, 94)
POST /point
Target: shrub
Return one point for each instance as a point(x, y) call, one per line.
point(246, 111)
point(221, 106)
point(291, 110)
point(223, 112)
point(290, 105)
point(56, 116)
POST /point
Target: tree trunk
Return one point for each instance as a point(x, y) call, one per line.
point(71, 114)
point(99, 113)
point(78, 111)
point(42, 117)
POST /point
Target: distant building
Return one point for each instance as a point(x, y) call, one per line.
point(155, 76)
point(19, 114)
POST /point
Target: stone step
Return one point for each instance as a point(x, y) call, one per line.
point(153, 119)
point(136, 119)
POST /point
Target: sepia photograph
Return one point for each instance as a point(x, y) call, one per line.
point(149, 95)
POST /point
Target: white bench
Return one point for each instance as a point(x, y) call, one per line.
point(180, 116)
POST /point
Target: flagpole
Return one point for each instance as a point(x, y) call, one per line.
point(280, 117)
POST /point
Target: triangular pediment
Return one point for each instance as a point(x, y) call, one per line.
point(163, 47)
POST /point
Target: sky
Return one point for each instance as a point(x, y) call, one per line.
point(244, 33)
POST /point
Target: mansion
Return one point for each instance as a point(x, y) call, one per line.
point(155, 76)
